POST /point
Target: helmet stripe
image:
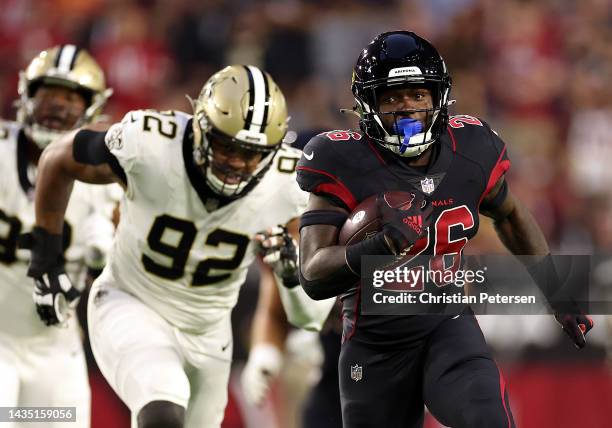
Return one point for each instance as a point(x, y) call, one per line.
point(249, 117)
point(65, 58)
point(59, 55)
point(74, 57)
point(259, 100)
point(264, 120)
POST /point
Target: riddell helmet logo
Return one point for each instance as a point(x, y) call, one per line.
point(404, 71)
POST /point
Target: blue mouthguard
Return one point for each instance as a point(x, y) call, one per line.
point(408, 127)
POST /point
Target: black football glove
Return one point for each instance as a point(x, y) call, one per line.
point(280, 251)
point(403, 227)
point(53, 293)
point(567, 313)
point(576, 326)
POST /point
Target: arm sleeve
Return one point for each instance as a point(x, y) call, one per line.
point(302, 311)
point(90, 148)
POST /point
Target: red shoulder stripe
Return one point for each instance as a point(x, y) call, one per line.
point(337, 188)
point(500, 168)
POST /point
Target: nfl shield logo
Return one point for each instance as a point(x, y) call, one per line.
point(427, 185)
point(356, 372)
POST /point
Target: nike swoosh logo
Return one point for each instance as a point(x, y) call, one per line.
point(308, 156)
point(223, 348)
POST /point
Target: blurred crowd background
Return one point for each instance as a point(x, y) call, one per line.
point(537, 71)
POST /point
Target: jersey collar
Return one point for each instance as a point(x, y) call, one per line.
point(435, 171)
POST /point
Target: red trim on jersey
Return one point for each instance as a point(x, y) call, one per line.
point(502, 390)
point(337, 189)
point(499, 169)
point(450, 132)
point(376, 153)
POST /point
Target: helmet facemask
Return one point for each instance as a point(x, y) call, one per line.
point(405, 136)
point(234, 183)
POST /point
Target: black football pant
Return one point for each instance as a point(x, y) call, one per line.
point(451, 371)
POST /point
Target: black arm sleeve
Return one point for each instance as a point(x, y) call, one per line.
point(329, 217)
point(564, 288)
point(89, 148)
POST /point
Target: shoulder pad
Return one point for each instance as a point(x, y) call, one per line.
point(319, 156)
point(474, 136)
point(475, 140)
point(143, 132)
point(326, 157)
point(165, 123)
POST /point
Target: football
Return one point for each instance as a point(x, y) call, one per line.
point(364, 222)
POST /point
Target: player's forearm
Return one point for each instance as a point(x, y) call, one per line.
point(269, 322)
point(324, 262)
point(320, 256)
point(323, 271)
point(57, 170)
point(520, 233)
point(53, 188)
point(270, 329)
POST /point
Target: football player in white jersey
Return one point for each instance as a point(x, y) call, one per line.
point(270, 327)
point(61, 89)
point(198, 188)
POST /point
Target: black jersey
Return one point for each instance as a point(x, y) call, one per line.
point(346, 167)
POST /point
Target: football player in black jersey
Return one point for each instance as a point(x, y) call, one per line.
point(390, 366)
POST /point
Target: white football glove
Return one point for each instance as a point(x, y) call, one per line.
point(54, 294)
point(262, 367)
point(280, 252)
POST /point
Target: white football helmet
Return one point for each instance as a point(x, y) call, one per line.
point(67, 66)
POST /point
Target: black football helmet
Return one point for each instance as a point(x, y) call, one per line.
point(394, 59)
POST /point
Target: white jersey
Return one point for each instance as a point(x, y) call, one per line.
point(181, 259)
point(88, 233)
